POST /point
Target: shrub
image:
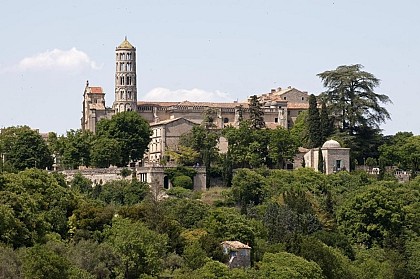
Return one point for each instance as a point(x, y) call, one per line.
point(183, 181)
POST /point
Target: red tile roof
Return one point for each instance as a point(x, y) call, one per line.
point(96, 90)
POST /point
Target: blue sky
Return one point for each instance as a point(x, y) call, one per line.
point(201, 50)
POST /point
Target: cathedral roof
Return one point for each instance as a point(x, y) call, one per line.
point(125, 45)
point(192, 104)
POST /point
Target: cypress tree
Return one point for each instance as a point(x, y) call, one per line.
point(314, 137)
point(325, 123)
point(320, 161)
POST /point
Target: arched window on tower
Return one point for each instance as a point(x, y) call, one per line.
point(122, 94)
point(128, 56)
point(122, 81)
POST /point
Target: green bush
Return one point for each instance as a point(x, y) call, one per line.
point(183, 181)
point(179, 192)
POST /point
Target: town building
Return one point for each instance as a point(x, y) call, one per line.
point(335, 157)
point(281, 106)
point(239, 254)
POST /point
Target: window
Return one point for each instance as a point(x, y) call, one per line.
point(225, 120)
point(303, 98)
point(276, 120)
point(284, 98)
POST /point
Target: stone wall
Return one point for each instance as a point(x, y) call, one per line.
point(153, 174)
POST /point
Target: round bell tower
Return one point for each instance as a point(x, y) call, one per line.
point(125, 78)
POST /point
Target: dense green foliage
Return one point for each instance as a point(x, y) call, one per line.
point(21, 148)
point(300, 224)
point(130, 131)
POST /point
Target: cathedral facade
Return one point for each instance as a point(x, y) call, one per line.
point(281, 106)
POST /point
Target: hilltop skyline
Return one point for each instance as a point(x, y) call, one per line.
point(223, 51)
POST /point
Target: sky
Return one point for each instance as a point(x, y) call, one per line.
point(219, 50)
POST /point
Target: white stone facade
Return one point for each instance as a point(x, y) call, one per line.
point(336, 158)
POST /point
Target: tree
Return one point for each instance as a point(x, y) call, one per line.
point(286, 265)
point(33, 205)
point(314, 124)
point(247, 188)
point(326, 128)
point(41, 262)
point(299, 131)
point(75, 148)
point(194, 256)
point(350, 97)
point(373, 216)
point(105, 152)
point(228, 223)
point(81, 184)
point(97, 259)
point(22, 147)
point(402, 150)
point(320, 161)
point(248, 147)
point(131, 132)
point(281, 146)
point(138, 247)
point(256, 113)
point(203, 139)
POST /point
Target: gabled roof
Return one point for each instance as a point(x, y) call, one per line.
point(164, 122)
point(236, 245)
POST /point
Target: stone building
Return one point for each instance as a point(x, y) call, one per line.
point(281, 106)
point(336, 158)
point(166, 135)
point(239, 254)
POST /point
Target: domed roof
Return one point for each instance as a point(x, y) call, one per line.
point(126, 44)
point(331, 144)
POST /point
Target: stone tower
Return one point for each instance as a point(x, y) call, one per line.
point(125, 78)
point(93, 107)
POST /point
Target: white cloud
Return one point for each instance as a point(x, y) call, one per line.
point(196, 95)
point(58, 59)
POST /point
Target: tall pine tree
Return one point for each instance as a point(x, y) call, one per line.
point(314, 125)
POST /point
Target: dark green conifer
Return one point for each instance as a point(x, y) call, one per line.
point(314, 136)
point(320, 161)
point(325, 123)
point(256, 113)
